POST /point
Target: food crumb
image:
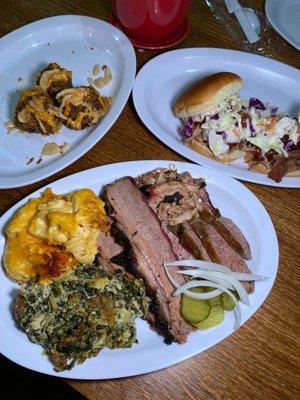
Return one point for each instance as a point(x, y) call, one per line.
point(73, 51)
point(52, 149)
point(91, 48)
point(20, 79)
point(10, 126)
point(90, 81)
point(100, 82)
point(96, 69)
point(30, 160)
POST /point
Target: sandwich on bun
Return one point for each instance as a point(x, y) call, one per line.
point(223, 126)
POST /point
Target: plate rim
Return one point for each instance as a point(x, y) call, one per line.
point(181, 149)
point(95, 136)
point(118, 167)
point(268, 10)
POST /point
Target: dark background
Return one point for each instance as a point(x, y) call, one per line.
point(18, 383)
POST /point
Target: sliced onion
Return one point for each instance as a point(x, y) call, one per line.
point(66, 91)
point(200, 296)
point(204, 296)
point(171, 279)
point(208, 275)
point(227, 281)
point(198, 263)
point(248, 277)
point(191, 284)
point(45, 78)
point(210, 266)
point(41, 124)
point(24, 116)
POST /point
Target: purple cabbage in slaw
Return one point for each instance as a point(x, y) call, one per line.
point(256, 103)
point(222, 133)
point(187, 130)
point(251, 127)
point(290, 145)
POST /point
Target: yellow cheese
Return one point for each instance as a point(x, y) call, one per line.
point(53, 233)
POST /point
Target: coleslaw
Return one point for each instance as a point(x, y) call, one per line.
point(249, 123)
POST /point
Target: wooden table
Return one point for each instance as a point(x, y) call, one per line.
point(259, 361)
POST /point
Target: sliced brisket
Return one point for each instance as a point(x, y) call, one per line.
point(233, 236)
point(151, 247)
point(219, 250)
point(191, 241)
point(230, 232)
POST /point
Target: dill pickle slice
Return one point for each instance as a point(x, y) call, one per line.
point(215, 301)
point(194, 310)
point(228, 303)
point(216, 316)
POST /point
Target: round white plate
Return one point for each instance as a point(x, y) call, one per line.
point(234, 201)
point(76, 43)
point(160, 81)
point(284, 16)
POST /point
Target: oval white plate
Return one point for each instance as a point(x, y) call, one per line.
point(76, 43)
point(284, 16)
point(160, 81)
point(234, 201)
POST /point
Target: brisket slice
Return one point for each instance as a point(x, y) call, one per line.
point(151, 248)
point(107, 246)
point(219, 250)
point(230, 232)
point(179, 249)
point(233, 236)
point(191, 241)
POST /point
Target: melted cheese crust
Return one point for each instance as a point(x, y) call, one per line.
point(52, 234)
point(36, 107)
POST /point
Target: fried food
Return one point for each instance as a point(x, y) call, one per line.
point(34, 112)
point(53, 102)
point(53, 79)
point(51, 234)
point(82, 106)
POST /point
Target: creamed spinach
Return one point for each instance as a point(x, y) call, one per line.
point(75, 317)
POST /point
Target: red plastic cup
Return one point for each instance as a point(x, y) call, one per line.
point(152, 24)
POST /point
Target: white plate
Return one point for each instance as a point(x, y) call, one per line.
point(232, 198)
point(76, 43)
point(284, 16)
point(160, 81)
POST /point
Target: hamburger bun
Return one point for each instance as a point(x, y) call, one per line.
point(234, 154)
point(202, 148)
point(203, 96)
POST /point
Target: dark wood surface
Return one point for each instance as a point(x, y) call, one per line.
point(259, 361)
